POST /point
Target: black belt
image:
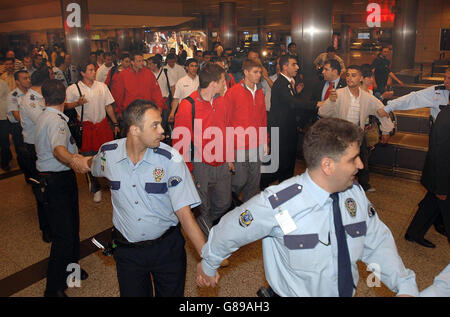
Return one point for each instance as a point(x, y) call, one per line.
point(120, 240)
point(55, 173)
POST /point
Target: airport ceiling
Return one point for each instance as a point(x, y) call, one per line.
point(273, 14)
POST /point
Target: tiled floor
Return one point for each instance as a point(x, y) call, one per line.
point(396, 201)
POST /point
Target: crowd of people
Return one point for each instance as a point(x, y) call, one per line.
point(121, 117)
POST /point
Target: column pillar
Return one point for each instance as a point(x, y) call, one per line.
point(123, 39)
point(404, 34)
point(345, 43)
point(228, 24)
point(311, 30)
point(75, 18)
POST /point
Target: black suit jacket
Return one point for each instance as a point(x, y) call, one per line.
point(317, 92)
point(436, 172)
point(284, 104)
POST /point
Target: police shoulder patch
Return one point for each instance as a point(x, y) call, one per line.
point(245, 218)
point(109, 147)
point(163, 152)
point(174, 181)
point(371, 210)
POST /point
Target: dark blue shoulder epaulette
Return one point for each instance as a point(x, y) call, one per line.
point(109, 147)
point(163, 152)
point(284, 195)
point(440, 87)
point(60, 115)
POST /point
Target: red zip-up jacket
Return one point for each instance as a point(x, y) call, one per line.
point(212, 116)
point(130, 86)
point(244, 111)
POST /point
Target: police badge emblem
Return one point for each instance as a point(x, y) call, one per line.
point(245, 219)
point(158, 174)
point(350, 205)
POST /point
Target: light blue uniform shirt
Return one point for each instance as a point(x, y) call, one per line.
point(428, 97)
point(440, 286)
point(304, 262)
point(31, 106)
point(13, 104)
point(52, 130)
point(145, 196)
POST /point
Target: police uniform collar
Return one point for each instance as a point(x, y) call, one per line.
point(319, 194)
point(61, 114)
point(122, 155)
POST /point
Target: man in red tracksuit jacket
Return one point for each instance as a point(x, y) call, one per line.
point(247, 115)
point(212, 175)
point(136, 82)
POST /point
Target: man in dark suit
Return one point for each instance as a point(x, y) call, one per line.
point(331, 74)
point(436, 179)
point(284, 106)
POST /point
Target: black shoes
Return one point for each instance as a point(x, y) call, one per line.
point(423, 242)
point(46, 237)
point(55, 294)
point(440, 229)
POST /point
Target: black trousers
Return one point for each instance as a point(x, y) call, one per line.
point(429, 209)
point(16, 132)
point(29, 160)
point(63, 217)
point(5, 154)
point(288, 139)
point(363, 174)
point(164, 261)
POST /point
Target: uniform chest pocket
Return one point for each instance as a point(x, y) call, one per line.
point(156, 188)
point(305, 253)
point(355, 245)
point(356, 230)
point(115, 185)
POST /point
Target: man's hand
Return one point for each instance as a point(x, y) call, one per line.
point(231, 167)
point(385, 138)
point(82, 100)
point(204, 280)
point(382, 113)
point(441, 197)
point(299, 87)
point(320, 104)
point(404, 295)
point(333, 95)
point(171, 117)
point(116, 131)
point(79, 163)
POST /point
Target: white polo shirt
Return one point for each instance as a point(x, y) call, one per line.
point(98, 97)
point(102, 73)
point(162, 82)
point(186, 86)
point(175, 73)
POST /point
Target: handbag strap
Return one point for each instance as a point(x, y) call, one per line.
point(193, 118)
point(82, 107)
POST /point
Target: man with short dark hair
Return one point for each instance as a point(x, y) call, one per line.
point(314, 227)
point(136, 82)
point(206, 110)
point(28, 65)
point(185, 86)
point(56, 157)
point(71, 72)
point(174, 71)
point(382, 72)
point(331, 80)
point(330, 54)
point(282, 115)
point(8, 75)
point(59, 69)
point(103, 70)
point(94, 102)
point(152, 192)
point(355, 105)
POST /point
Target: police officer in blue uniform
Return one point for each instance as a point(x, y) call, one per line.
point(56, 156)
point(152, 192)
point(433, 97)
point(31, 106)
point(314, 227)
